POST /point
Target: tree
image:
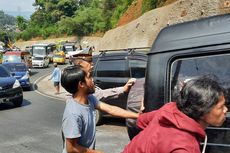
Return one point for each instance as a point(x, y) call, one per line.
point(21, 23)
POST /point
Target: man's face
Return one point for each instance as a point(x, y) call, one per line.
point(89, 83)
point(217, 115)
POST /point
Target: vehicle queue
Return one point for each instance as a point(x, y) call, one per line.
point(16, 67)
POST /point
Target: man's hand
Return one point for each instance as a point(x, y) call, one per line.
point(129, 84)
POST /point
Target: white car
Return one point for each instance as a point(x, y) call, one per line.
point(40, 61)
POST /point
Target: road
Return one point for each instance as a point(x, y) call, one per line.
point(35, 127)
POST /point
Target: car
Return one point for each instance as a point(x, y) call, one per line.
point(184, 51)
point(113, 68)
point(40, 61)
point(18, 56)
point(10, 89)
point(21, 72)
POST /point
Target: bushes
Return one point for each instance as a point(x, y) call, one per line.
point(86, 18)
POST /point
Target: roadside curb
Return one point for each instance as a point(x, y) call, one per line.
point(44, 87)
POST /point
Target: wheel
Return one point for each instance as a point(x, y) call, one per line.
point(18, 102)
point(98, 117)
point(28, 88)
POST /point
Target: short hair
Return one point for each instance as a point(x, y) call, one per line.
point(79, 59)
point(55, 64)
point(199, 95)
point(71, 76)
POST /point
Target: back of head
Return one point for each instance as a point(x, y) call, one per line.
point(55, 64)
point(82, 57)
point(198, 96)
point(70, 78)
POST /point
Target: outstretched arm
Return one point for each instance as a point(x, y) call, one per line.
point(116, 111)
point(103, 94)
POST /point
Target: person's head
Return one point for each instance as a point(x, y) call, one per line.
point(85, 62)
point(75, 78)
point(55, 64)
point(203, 100)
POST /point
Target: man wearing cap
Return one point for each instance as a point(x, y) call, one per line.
point(85, 60)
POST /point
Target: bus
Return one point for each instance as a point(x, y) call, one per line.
point(44, 49)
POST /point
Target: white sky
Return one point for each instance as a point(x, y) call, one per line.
point(17, 5)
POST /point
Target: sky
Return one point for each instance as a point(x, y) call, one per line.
point(17, 5)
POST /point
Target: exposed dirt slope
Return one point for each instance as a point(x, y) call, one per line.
point(142, 31)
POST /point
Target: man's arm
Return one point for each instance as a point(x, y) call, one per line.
point(73, 147)
point(103, 94)
point(116, 111)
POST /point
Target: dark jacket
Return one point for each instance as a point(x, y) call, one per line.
point(166, 130)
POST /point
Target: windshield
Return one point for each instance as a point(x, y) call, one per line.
point(38, 58)
point(58, 56)
point(39, 50)
point(69, 48)
point(15, 67)
point(11, 58)
point(3, 72)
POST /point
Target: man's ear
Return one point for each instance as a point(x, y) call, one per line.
point(81, 84)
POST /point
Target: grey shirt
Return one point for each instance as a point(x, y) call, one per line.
point(79, 121)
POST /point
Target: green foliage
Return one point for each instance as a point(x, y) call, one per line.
point(66, 25)
point(75, 17)
point(148, 5)
point(21, 23)
point(88, 20)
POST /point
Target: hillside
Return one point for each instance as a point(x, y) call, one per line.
point(142, 31)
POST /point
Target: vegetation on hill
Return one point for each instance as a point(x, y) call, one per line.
point(75, 17)
point(7, 26)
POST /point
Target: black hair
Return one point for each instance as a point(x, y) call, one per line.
point(199, 95)
point(71, 76)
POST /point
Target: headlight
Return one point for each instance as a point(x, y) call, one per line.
point(16, 84)
point(26, 76)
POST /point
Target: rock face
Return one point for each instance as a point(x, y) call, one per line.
point(143, 31)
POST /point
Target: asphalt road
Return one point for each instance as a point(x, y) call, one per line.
point(35, 127)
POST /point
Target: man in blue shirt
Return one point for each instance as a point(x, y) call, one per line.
point(56, 78)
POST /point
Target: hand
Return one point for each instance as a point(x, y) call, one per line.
point(142, 108)
point(129, 84)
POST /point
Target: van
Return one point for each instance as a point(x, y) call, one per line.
point(188, 50)
point(18, 56)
